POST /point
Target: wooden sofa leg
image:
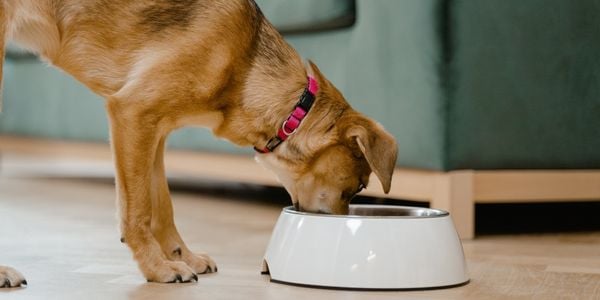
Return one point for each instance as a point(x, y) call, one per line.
point(453, 192)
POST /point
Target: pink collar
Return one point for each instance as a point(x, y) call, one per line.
point(293, 121)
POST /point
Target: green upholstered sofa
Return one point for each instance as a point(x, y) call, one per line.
point(463, 85)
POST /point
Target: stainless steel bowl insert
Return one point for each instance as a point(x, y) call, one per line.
point(379, 211)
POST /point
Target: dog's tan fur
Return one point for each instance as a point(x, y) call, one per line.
point(164, 64)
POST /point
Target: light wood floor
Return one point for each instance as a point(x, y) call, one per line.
point(62, 234)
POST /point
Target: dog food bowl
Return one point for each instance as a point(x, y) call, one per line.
point(374, 247)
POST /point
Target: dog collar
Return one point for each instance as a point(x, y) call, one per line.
point(293, 121)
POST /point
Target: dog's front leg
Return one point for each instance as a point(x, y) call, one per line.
point(136, 135)
point(163, 225)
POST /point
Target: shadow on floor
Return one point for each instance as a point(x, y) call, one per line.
point(537, 217)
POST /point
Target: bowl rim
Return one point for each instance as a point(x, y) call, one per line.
point(438, 213)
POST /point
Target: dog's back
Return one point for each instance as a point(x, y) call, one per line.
point(102, 43)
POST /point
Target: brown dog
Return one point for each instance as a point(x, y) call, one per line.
point(164, 64)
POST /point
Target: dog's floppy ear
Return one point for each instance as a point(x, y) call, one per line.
point(378, 147)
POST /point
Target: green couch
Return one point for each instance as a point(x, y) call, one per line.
point(481, 84)
point(524, 85)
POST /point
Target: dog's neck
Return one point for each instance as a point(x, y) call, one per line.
point(273, 84)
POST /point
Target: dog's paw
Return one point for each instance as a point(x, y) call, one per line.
point(169, 272)
point(200, 263)
point(10, 277)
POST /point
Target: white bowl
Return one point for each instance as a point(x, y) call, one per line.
point(374, 247)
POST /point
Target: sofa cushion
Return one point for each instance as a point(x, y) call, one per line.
point(526, 85)
point(295, 16)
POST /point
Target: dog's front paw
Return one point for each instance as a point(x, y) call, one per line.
point(200, 263)
point(10, 277)
point(169, 272)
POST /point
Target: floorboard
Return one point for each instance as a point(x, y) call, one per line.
point(62, 234)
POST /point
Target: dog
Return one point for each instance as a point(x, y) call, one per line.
point(164, 64)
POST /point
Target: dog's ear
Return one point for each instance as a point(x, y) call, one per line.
point(378, 147)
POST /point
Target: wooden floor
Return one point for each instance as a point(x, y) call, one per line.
point(62, 234)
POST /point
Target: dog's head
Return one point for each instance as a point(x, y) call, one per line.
point(331, 156)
